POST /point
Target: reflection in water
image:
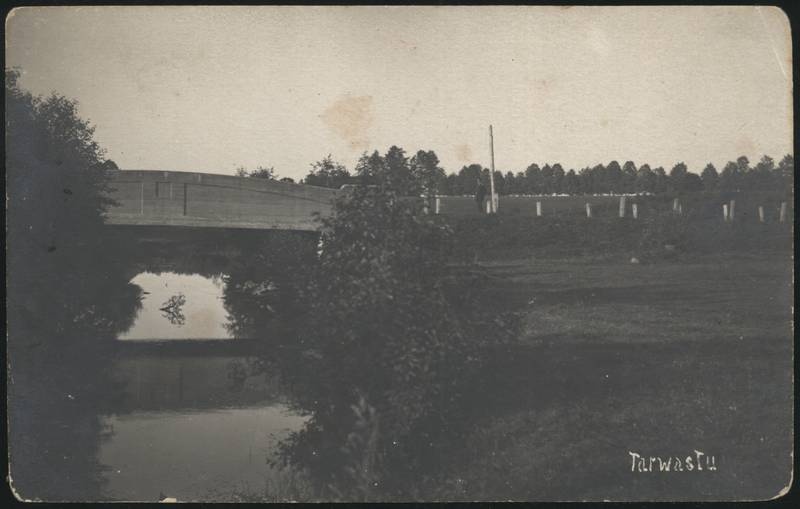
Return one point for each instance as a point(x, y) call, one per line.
point(179, 306)
point(189, 455)
point(192, 425)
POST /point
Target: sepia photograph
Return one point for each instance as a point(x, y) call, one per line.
point(399, 253)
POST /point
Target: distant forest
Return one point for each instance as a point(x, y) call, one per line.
point(421, 174)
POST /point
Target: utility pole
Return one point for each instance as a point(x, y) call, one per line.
point(491, 175)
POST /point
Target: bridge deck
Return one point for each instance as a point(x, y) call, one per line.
point(169, 198)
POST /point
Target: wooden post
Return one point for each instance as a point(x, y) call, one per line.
point(438, 206)
point(730, 210)
point(761, 213)
point(621, 206)
point(635, 210)
point(725, 212)
point(675, 203)
point(783, 212)
point(588, 210)
point(680, 208)
point(538, 209)
point(489, 206)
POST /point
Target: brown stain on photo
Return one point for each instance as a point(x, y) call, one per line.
point(745, 145)
point(351, 118)
point(464, 153)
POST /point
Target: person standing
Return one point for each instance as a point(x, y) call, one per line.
point(480, 196)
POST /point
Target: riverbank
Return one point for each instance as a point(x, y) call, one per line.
point(616, 358)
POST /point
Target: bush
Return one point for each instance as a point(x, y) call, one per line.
point(391, 327)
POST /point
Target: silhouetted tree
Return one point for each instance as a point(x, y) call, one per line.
point(677, 177)
point(328, 173)
point(629, 174)
point(426, 173)
point(264, 172)
point(533, 176)
point(661, 182)
point(558, 178)
point(645, 180)
point(710, 177)
point(730, 177)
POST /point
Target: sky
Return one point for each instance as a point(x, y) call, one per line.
point(213, 88)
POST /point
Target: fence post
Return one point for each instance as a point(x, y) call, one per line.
point(730, 210)
point(621, 206)
point(538, 209)
point(588, 210)
point(635, 211)
point(438, 206)
point(760, 213)
point(489, 206)
point(725, 212)
point(675, 204)
point(783, 212)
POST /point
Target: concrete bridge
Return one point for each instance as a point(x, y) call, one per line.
point(172, 198)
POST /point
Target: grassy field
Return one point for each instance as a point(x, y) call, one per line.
point(659, 359)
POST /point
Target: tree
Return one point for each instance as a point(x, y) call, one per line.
point(629, 174)
point(328, 173)
point(371, 168)
point(571, 185)
point(786, 166)
point(730, 177)
point(468, 177)
point(710, 177)
point(391, 324)
point(264, 172)
point(743, 164)
point(760, 176)
point(533, 179)
point(784, 173)
point(613, 178)
point(558, 178)
point(511, 183)
point(499, 183)
point(692, 183)
point(661, 181)
point(426, 173)
point(57, 194)
point(677, 177)
point(68, 295)
point(451, 185)
point(645, 179)
point(398, 175)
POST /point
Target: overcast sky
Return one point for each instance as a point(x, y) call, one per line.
point(211, 88)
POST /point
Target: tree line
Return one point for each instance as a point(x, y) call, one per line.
point(421, 174)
